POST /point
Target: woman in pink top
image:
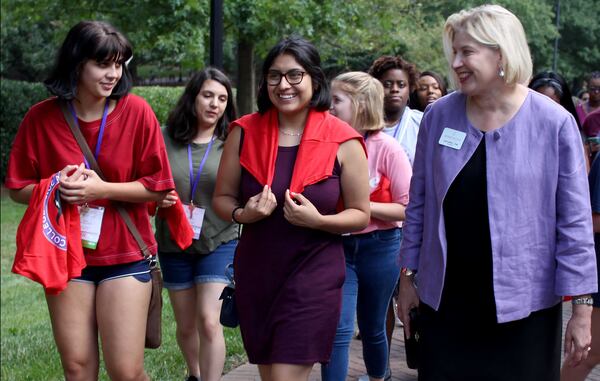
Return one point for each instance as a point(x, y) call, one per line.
point(372, 263)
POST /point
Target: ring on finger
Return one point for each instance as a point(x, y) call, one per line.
point(588, 348)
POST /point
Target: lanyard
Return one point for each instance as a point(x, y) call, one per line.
point(100, 134)
point(401, 126)
point(195, 179)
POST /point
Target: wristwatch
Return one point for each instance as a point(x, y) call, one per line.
point(408, 272)
point(587, 300)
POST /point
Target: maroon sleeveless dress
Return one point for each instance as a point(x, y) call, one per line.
point(288, 278)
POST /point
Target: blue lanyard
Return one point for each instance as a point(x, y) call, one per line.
point(100, 134)
point(195, 179)
point(395, 134)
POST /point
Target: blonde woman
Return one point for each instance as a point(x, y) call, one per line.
point(499, 224)
point(372, 266)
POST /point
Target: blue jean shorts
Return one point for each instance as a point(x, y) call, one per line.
point(140, 270)
point(182, 270)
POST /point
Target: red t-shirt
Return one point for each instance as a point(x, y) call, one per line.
point(132, 150)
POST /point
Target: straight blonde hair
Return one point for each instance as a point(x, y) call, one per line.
point(366, 95)
point(496, 28)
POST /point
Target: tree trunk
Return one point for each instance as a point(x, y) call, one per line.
point(246, 87)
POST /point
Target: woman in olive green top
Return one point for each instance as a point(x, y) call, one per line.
point(195, 277)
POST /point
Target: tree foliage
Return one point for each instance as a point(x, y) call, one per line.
point(349, 34)
point(168, 33)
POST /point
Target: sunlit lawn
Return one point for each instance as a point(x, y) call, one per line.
point(27, 347)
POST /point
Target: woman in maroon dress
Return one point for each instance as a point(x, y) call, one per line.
point(283, 173)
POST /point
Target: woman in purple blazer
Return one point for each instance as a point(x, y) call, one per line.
point(498, 227)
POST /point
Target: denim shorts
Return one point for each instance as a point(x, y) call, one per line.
point(182, 270)
point(140, 270)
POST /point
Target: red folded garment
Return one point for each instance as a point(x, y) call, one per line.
point(179, 226)
point(49, 249)
point(383, 192)
point(321, 138)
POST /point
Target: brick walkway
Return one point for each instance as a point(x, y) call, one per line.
point(400, 372)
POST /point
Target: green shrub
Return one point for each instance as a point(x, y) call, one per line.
point(161, 99)
point(16, 97)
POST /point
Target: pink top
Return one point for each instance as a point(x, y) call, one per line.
point(387, 158)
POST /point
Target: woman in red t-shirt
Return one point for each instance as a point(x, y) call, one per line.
point(110, 298)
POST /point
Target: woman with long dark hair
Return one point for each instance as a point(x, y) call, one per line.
point(430, 87)
point(195, 277)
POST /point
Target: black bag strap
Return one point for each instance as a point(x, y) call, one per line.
point(87, 152)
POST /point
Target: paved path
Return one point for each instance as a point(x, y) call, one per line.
point(400, 372)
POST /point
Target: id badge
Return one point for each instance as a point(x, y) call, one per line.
point(195, 216)
point(91, 224)
point(452, 138)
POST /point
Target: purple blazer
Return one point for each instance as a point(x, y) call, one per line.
point(538, 200)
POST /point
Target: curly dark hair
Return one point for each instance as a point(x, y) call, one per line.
point(593, 75)
point(385, 63)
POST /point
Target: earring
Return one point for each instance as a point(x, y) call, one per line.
point(501, 72)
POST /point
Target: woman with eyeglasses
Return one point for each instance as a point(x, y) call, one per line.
point(296, 177)
point(593, 103)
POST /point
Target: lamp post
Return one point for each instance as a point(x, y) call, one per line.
point(555, 55)
point(216, 33)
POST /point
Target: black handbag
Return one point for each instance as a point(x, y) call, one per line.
point(229, 316)
point(411, 345)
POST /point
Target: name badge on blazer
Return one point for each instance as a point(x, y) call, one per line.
point(452, 138)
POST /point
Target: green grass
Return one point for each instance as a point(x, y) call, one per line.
point(27, 347)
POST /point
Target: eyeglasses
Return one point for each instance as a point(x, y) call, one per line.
point(293, 77)
point(594, 89)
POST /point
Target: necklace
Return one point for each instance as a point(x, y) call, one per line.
point(291, 133)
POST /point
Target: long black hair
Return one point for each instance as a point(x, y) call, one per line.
point(308, 57)
point(560, 86)
point(89, 40)
point(182, 121)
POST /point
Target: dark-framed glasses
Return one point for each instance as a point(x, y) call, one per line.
point(594, 90)
point(293, 77)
